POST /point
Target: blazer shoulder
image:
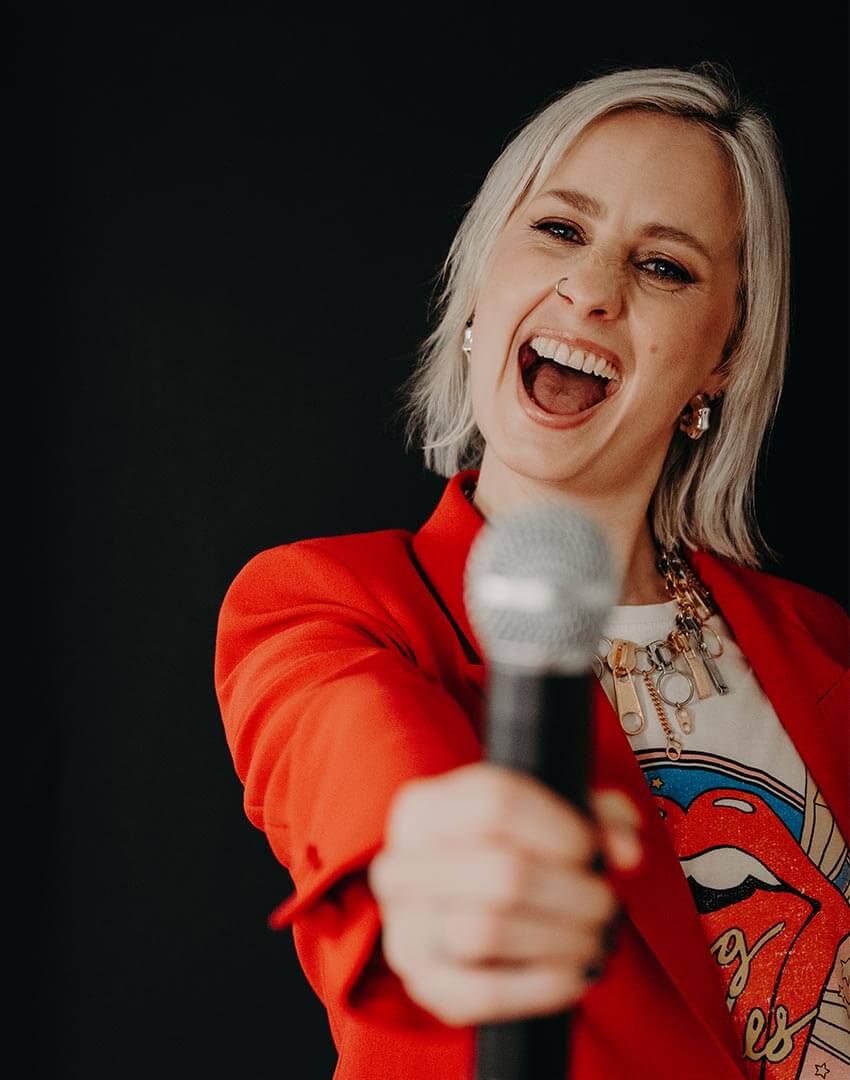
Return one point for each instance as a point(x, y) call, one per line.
point(793, 594)
point(818, 613)
point(345, 568)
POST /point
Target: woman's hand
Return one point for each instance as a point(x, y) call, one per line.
point(490, 908)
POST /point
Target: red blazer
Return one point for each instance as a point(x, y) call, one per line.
point(346, 665)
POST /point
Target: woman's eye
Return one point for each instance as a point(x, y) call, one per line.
point(545, 227)
point(665, 269)
point(678, 274)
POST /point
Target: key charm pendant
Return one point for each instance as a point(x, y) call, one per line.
point(621, 659)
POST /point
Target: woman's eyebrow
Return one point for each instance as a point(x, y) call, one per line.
point(586, 204)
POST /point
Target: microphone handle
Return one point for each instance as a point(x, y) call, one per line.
point(538, 723)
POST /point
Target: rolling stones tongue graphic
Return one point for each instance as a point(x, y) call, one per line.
point(770, 917)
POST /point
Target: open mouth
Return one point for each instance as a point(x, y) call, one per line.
point(559, 389)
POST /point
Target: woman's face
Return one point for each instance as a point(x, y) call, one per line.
point(663, 307)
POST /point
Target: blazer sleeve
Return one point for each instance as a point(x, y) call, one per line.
point(326, 713)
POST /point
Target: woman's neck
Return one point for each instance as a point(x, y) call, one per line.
point(625, 524)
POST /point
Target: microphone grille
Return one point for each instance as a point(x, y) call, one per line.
point(538, 585)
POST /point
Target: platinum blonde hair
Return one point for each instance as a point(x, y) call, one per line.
point(705, 492)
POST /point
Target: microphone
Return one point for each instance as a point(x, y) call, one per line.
point(538, 586)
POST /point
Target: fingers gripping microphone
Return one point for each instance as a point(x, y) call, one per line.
point(539, 584)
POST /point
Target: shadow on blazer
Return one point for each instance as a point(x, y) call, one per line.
point(346, 665)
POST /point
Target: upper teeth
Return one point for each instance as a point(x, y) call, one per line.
point(567, 356)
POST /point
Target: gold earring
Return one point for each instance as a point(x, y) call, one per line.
point(694, 418)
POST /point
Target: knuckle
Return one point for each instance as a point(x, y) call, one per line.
point(561, 986)
point(584, 839)
point(497, 796)
point(376, 875)
point(556, 983)
point(591, 950)
point(441, 996)
point(552, 988)
point(512, 879)
point(489, 998)
point(419, 985)
point(477, 936)
point(604, 901)
point(405, 809)
point(454, 1013)
point(394, 947)
point(389, 876)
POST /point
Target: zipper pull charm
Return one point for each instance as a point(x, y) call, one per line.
point(622, 661)
point(694, 661)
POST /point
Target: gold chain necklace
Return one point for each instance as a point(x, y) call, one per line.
point(659, 673)
point(686, 640)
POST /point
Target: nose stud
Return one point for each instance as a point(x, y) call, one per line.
point(558, 287)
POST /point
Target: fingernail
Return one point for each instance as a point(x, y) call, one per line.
point(630, 814)
point(628, 848)
point(635, 815)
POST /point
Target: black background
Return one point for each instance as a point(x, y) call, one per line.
point(238, 223)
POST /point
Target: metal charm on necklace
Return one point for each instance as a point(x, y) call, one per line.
point(662, 657)
point(693, 631)
point(621, 660)
point(673, 749)
point(696, 606)
point(699, 672)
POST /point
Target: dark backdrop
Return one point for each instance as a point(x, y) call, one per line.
point(239, 223)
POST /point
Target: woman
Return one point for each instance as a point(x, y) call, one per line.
point(613, 331)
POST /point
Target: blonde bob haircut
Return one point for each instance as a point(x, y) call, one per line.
point(706, 489)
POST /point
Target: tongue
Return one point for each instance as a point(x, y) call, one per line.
point(563, 390)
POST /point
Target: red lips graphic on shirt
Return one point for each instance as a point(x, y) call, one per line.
point(772, 935)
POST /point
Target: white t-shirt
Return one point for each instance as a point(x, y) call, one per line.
point(766, 864)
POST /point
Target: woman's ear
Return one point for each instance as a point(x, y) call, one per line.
point(715, 384)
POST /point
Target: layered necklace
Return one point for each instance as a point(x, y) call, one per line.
point(655, 661)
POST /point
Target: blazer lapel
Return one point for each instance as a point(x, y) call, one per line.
point(804, 683)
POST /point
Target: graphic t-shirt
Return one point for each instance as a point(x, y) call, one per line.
point(767, 866)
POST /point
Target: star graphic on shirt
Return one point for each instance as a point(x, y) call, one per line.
point(825, 1067)
point(657, 782)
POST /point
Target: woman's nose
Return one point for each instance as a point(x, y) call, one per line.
point(593, 288)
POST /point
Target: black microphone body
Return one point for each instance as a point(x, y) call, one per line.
point(539, 723)
point(539, 582)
